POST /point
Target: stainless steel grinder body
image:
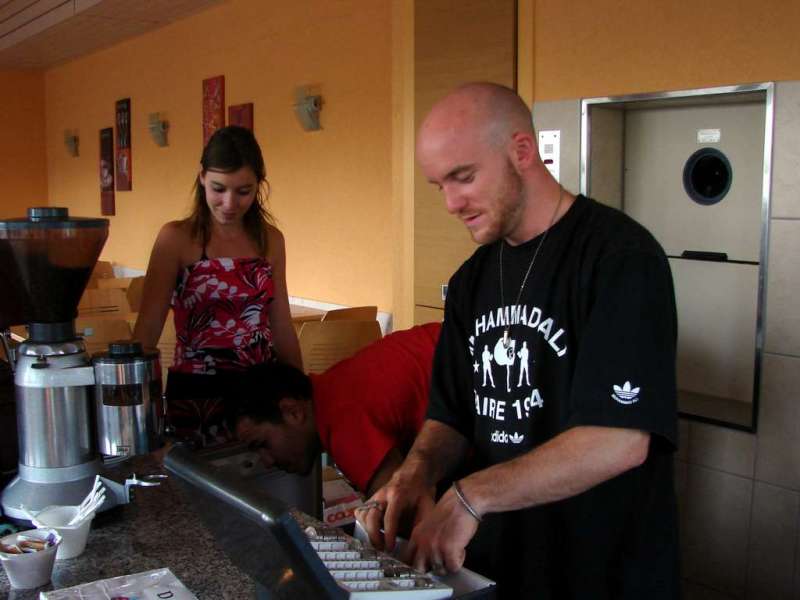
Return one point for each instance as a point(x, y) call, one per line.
point(55, 426)
point(54, 412)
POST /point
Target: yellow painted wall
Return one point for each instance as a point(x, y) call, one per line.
point(331, 189)
point(22, 148)
point(586, 48)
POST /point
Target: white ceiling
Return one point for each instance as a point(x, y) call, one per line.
point(36, 34)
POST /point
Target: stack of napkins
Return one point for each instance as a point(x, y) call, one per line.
point(149, 585)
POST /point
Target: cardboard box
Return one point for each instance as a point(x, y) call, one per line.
point(340, 501)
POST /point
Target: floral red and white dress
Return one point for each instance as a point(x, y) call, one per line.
point(221, 315)
point(221, 311)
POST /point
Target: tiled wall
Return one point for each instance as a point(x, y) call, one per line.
point(739, 493)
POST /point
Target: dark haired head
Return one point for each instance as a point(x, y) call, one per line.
point(261, 388)
point(228, 150)
point(231, 148)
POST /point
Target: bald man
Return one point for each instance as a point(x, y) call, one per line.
point(570, 491)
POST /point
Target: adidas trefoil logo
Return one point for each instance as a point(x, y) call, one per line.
point(502, 437)
point(626, 394)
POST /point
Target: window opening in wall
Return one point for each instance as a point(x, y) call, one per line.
point(644, 154)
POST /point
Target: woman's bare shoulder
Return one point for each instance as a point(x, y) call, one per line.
point(177, 230)
point(276, 245)
point(176, 239)
point(274, 234)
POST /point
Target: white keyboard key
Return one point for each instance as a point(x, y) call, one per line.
point(352, 564)
point(402, 583)
point(338, 545)
point(362, 585)
point(339, 555)
point(359, 575)
point(367, 573)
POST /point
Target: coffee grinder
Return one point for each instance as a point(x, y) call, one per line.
point(73, 411)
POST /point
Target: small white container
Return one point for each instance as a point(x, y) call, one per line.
point(74, 536)
point(28, 571)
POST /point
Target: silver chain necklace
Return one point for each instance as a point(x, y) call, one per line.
point(530, 266)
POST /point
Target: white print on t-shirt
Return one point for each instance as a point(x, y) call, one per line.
point(501, 437)
point(487, 365)
point(514, 338)
point(626, 394)
point(528, 403)
point(505, 352)
point(523, 365)
point(490, 407)
point(521, 315)
point(504, 355)
point(496, 409)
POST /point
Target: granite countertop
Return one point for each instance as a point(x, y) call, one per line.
point(158, 529)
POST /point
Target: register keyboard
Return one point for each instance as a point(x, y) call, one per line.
point(366, 573)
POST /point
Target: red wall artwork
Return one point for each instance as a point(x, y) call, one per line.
point(242, 115)
point(107, 206)
point(213, 106)
point(123, 153)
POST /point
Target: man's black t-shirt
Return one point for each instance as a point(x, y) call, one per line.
point(591, 342)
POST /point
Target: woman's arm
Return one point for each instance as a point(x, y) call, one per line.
point(284, 337)
point(159, 283)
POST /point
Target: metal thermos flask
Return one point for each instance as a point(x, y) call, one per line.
point(127, 399)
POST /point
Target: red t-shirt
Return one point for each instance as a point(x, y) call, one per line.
point(375, 400)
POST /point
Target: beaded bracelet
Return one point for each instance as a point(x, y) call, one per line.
point(465, 504)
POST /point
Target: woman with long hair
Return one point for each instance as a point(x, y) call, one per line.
point(222, 271)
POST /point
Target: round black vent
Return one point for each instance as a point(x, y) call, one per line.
point(707, 176)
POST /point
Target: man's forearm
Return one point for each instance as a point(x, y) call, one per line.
point(437, 450)
point(390, 463)
point(565, 466)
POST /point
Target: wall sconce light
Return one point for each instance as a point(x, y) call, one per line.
point(71, 141)
point(158, 129)
point(307, 107)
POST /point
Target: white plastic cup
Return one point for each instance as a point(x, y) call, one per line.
point(28, 571)
point(74, 536)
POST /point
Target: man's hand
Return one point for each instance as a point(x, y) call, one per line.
point(401, 500)
point(408, 497)
point(439, 540)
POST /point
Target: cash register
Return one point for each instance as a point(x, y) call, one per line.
point(293, 555)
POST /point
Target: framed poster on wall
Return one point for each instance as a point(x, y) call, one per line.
point(213, 106)
point(123, 149)
point(241, 115)
point(107, 171)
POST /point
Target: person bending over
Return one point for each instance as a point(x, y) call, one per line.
point(364, 411)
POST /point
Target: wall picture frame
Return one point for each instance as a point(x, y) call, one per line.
point(213, 106)
point(241, 115)
point(122, 159)
point(106, 172)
